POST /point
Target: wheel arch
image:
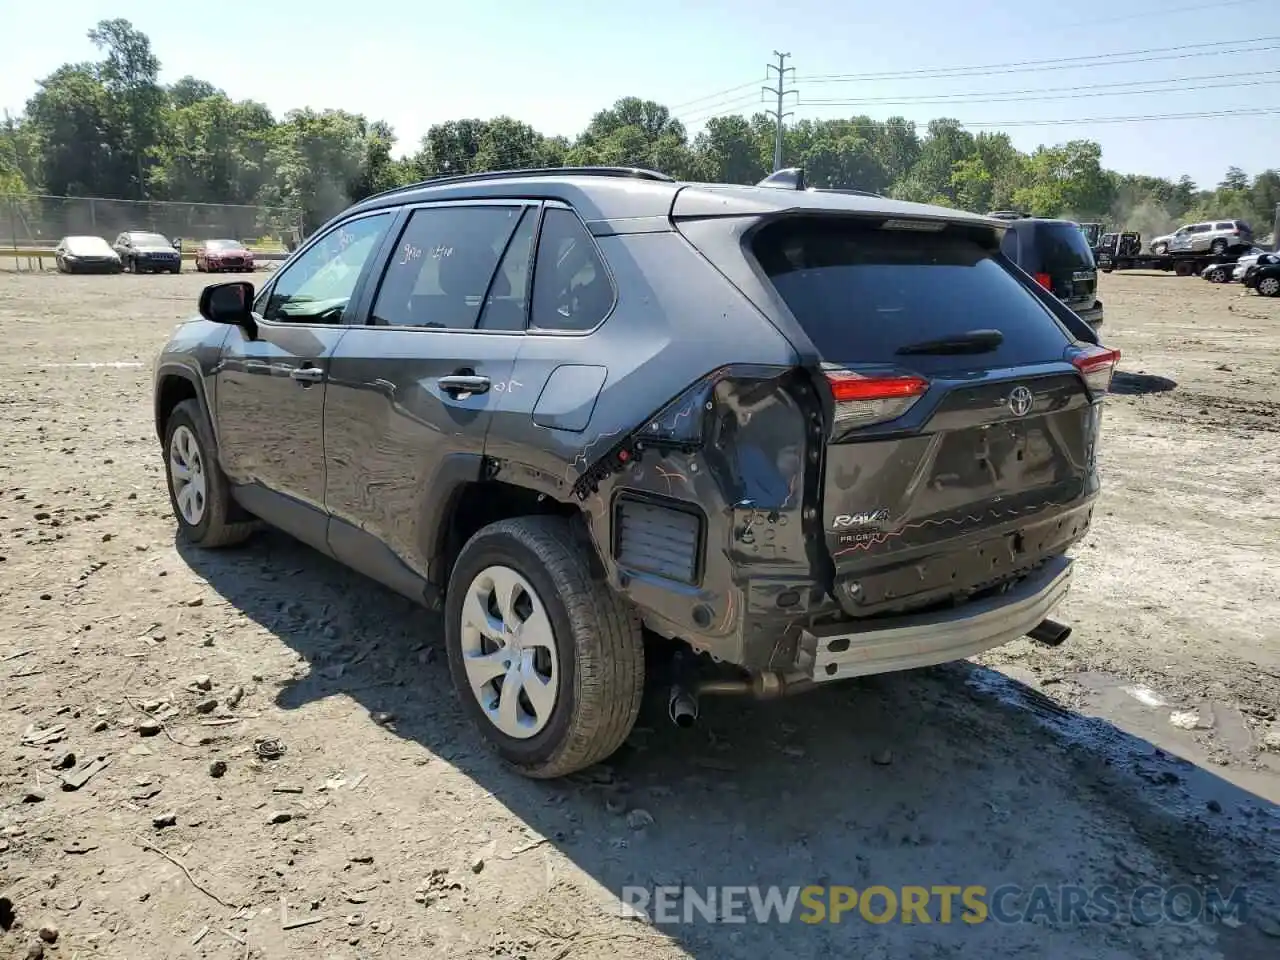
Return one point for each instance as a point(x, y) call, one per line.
point(465, 497)
point(174, 384)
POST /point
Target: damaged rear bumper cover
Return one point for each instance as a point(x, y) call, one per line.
point(839, 651)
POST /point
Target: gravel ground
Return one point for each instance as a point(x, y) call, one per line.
point(276, 765)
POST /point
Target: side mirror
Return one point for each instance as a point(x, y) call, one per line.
point(229, 303)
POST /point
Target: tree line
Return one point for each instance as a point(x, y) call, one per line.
point(109, 128)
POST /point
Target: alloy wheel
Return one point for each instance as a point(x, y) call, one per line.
point(1269, 286)
point(509, 652)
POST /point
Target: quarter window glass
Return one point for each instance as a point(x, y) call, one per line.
point(317, 287)
point(440, 271)
point(571, 287)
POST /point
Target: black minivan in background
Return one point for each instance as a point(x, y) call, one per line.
point(1057, 254)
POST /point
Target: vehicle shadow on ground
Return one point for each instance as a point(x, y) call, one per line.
point(951, 776)
point(1139, 384)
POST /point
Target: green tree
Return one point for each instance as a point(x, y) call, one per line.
point(76, 147)
point(135, 101)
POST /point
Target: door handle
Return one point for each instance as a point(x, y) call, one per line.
point(307, 375)
point(459, 384)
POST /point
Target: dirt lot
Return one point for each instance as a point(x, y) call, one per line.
point(1135, 755)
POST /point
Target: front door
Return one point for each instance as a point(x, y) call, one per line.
point(413, 389)
point(270, 387)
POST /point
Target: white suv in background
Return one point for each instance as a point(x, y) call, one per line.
point(1215, 237)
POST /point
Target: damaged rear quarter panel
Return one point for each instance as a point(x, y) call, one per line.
point(684, 351)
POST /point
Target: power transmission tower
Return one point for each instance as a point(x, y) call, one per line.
point(781, 92)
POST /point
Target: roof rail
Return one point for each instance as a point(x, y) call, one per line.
point(635, 173)
point(1009, 215)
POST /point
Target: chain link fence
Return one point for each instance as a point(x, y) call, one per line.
point(32, 220)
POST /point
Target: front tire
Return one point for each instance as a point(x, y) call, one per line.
point(547, 659)
point(1218, 276)
point(1269, 287)
point(198, 489)
point(1160, 249)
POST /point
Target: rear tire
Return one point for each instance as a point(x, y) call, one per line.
point(1269, 287)
point(580, 646)
point(1218, 247)
point(191, 465)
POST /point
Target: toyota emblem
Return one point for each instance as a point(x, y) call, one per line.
point(1020, 401)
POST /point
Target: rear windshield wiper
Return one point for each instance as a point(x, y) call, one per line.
point(973, 341)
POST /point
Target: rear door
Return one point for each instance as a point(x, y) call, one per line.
point(1066, 259)
point(962, 437)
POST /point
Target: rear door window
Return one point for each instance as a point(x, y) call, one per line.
point(443, 265)
point(1063, 249)
point(861, 293)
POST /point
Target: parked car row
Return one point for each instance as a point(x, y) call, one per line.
point(140, 251)
point(1229, 272)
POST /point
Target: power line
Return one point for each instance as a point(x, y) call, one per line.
point(1159, 12)
point(1262, 112)
point(1069, 93)
point(1061, 63)
point(1073, 87)
point(779, 115)
point(718, 109)
point(1143, 118)
point(712, 96)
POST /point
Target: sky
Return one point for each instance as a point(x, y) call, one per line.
point(554, 63)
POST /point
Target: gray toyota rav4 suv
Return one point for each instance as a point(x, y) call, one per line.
point(589, 412)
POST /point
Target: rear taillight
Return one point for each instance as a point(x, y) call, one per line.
point(1097, 365)
point(862, 399)
point(1045, 281)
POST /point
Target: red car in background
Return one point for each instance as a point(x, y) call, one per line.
point(214, 256)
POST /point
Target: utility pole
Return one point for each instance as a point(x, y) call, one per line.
point(780, 91)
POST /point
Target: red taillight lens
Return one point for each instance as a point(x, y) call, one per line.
point(1045, 281)
point(863, 399)
point(1097, 365)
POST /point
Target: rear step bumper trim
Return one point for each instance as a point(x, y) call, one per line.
point(922, 640)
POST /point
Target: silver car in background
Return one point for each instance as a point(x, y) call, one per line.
point(1215, 236)
point(1247, 260)
point(86, 255)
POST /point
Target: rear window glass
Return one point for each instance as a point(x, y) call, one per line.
point(861, 293)
point(1063, 248)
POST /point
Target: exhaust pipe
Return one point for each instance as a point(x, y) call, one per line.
point(1050, 633)
point(682, 707)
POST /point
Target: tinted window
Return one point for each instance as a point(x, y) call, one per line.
point(507, 306)
point(1201, 228)
point(860, 293)
point(440, 271)
point(1009, 245)
point(1063, 249)
point(571, 287)
point(1224, 226)
point(317, 287)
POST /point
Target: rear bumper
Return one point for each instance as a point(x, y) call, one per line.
point(844, 650)
point(1091, 315)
